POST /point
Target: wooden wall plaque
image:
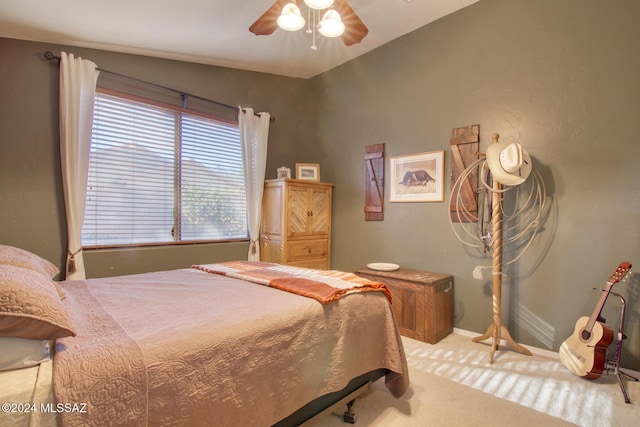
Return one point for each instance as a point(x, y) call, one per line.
point(374, 186)
point(465, 145)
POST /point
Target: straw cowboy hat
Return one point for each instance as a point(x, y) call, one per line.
point(510, 164)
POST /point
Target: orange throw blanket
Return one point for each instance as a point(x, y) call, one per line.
point(323, 285)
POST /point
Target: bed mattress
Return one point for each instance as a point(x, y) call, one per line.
point(27, 397)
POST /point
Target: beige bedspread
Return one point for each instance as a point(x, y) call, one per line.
point(186, 347)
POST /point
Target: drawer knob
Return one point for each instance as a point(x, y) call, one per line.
point(448, 287)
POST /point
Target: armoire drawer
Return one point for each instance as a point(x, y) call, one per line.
point(307, 248)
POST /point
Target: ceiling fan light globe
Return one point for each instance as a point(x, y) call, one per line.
point(331, 24)
point(318, 4)
point(290, 19)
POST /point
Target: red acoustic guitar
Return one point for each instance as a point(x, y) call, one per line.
point(584, 352)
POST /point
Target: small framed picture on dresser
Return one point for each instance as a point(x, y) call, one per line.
point(308, 171)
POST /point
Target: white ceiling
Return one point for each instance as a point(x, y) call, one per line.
point(210, 31)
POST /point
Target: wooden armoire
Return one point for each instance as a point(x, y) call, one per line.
point(296, 223)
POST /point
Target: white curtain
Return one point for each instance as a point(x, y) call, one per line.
point(78, 79)
point(254, 133)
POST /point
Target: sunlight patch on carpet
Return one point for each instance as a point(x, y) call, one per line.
point(537, 382)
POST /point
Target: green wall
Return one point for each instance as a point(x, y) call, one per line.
point(559, 76)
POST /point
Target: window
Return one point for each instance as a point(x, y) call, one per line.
point(161, 174)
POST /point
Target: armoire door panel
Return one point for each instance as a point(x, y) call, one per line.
point(298, 211)
point(320, 212)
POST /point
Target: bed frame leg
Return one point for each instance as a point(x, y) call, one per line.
point(349, 416)
point(334, 409)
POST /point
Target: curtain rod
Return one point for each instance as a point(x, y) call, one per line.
point(52, 57)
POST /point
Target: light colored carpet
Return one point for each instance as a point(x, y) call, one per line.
point(453, 384)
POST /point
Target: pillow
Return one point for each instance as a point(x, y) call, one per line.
point(25, 259)
point(30, 306)
point(17, 353)
point(20, 258)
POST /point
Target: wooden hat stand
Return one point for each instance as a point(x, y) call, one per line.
point(496, 330)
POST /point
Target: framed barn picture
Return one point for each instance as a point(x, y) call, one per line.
point(417, 177)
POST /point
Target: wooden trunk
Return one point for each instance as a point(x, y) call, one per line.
point(422, 301)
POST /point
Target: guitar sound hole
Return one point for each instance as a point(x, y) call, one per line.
point(585, 335)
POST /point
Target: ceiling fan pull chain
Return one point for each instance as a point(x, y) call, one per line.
point(313, 34)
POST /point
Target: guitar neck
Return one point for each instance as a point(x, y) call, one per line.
point(598, 308)
point(617, 275)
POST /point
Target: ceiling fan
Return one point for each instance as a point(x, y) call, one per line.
point(354, 30)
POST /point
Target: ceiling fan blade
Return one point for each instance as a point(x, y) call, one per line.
point(355, 30)
point(268, 22)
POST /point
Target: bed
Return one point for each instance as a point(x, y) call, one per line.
point(239, 343)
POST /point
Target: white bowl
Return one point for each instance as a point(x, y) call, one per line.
point(383, 266)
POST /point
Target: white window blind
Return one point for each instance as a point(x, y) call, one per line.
point(162, 175)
